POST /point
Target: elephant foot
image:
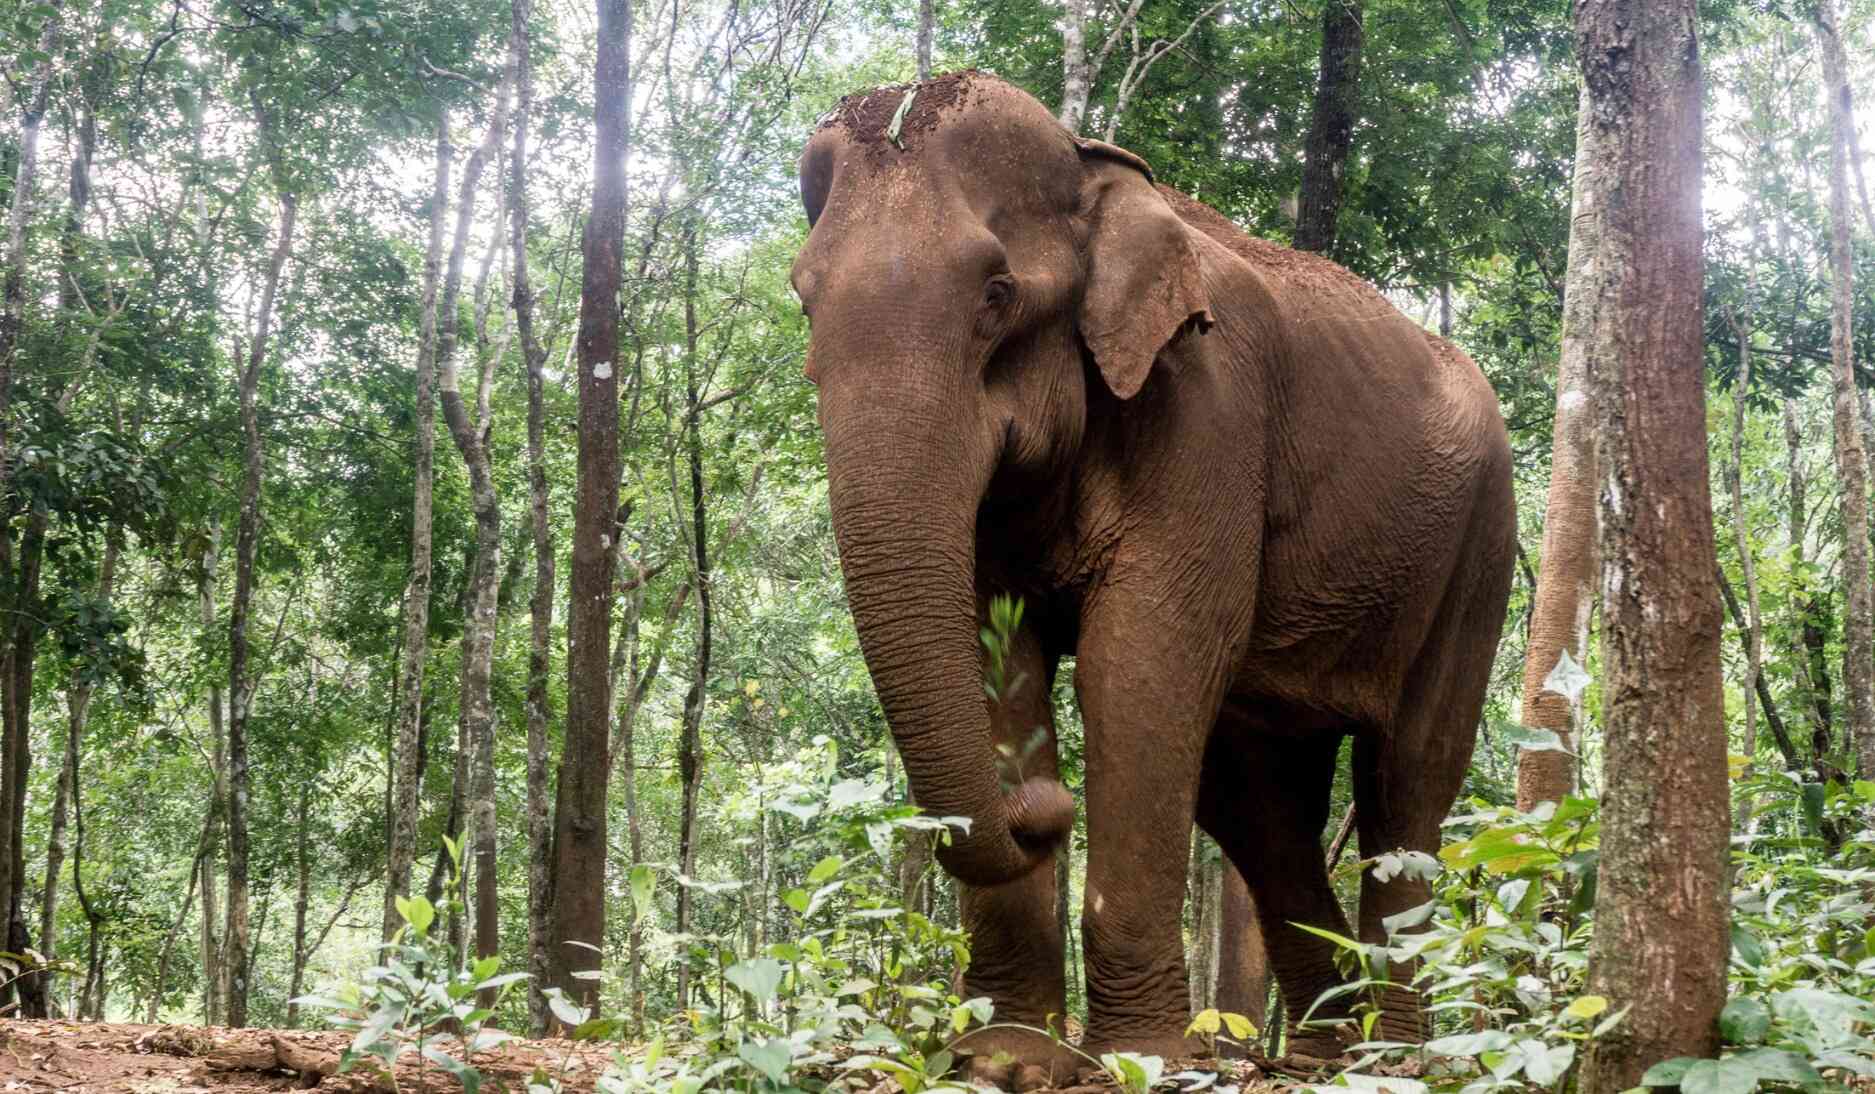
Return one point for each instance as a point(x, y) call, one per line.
point(1018, 1060)
point(1318, 1046)
point(1167, 1046)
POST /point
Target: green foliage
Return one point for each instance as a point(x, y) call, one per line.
point(422, 998)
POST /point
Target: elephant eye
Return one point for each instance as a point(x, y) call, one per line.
point(999, 291)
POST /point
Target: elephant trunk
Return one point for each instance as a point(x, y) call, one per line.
point(904, 484)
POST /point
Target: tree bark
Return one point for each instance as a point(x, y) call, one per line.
point(540, 602)
point(13, 285)
point(1661, 911)
point(406, 762)
point(212, 964)
point(690, 744)
point(1741, 534)
point(302, 862)
point(1858, 672)
point(478, 633)
point(1076, 80)
point(1331, 126)
point(1243, 965)
point(927, 30)
point(579, 843)
point(240, 680)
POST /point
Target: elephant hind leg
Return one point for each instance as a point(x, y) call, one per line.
point(1407, 775)
point(1266, 800)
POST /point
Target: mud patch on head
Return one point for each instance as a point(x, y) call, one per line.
point(869, 116)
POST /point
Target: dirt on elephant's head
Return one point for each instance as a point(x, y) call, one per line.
point(868, 116)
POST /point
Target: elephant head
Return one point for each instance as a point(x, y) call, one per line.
point(975, 278)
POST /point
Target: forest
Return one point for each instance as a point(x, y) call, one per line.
point(423, 622)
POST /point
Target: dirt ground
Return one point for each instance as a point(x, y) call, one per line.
point(125, 1058)
point(112, 1058)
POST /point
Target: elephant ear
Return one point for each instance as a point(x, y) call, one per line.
point(1144, 286)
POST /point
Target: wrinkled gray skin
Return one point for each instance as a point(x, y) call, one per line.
point(1261, 508)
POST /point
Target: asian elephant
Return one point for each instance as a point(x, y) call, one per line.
point(1262, 509)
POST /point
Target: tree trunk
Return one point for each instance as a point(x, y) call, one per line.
point(690, 746)
point(212, 964)
point(579, 839)
point(406, 764)
point(78, 708)
point(1565, 596)
point(1331, 126)
point(302, 897)
point(13, 288)
point(540, 603)
point(1858, 672)
point(1661, 912)
point(927, 27)
point(1076, 80)
point(1741, 533)
point(240, 680)
point(478, 634)
point(1243, 965)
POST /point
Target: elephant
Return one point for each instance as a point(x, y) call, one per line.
point(1261, 509)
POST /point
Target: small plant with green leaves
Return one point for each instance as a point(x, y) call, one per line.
point(421, 1000)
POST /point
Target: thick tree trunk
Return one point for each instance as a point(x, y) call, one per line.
point(1331, 126)
point(406, 765)
point(240, 680)
point(540, 602)
point(1661, 911)
point(1858, 672)
point(579, 843)
point(478, 634)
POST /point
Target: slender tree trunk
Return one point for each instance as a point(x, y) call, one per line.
point(540, 603)
point(1661, 911)
point(301, 899)
point(406, 764)
point(1243, 965)
point(1331, 126)
point(15, 745)
point(478, 635)
point(1741, 533)
point(212, 978)
point(1858, 672)
point(1076, 79)
point(78, 709)
point(579, 842)
point(1565, 595)
point(927, 28)
point(13, 285)
point(240, 680)
point(690, 746)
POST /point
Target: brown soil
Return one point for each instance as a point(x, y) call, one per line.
point(111, 1058)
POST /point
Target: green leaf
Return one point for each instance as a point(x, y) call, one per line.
point(1779, 1066)
point(1745, 1021)
point(570, 1015)
point(1239, 1026)
point(1746, 947)
point(825, 869)
point(760, 978)
point(1206, 1022)
point(796, 899)
point(1718, 1077)
point(644, 884)
point(418, 912)
point(770, 1057)
point(1586, 1007)
point(469, 1077)
point(1669, 1072)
